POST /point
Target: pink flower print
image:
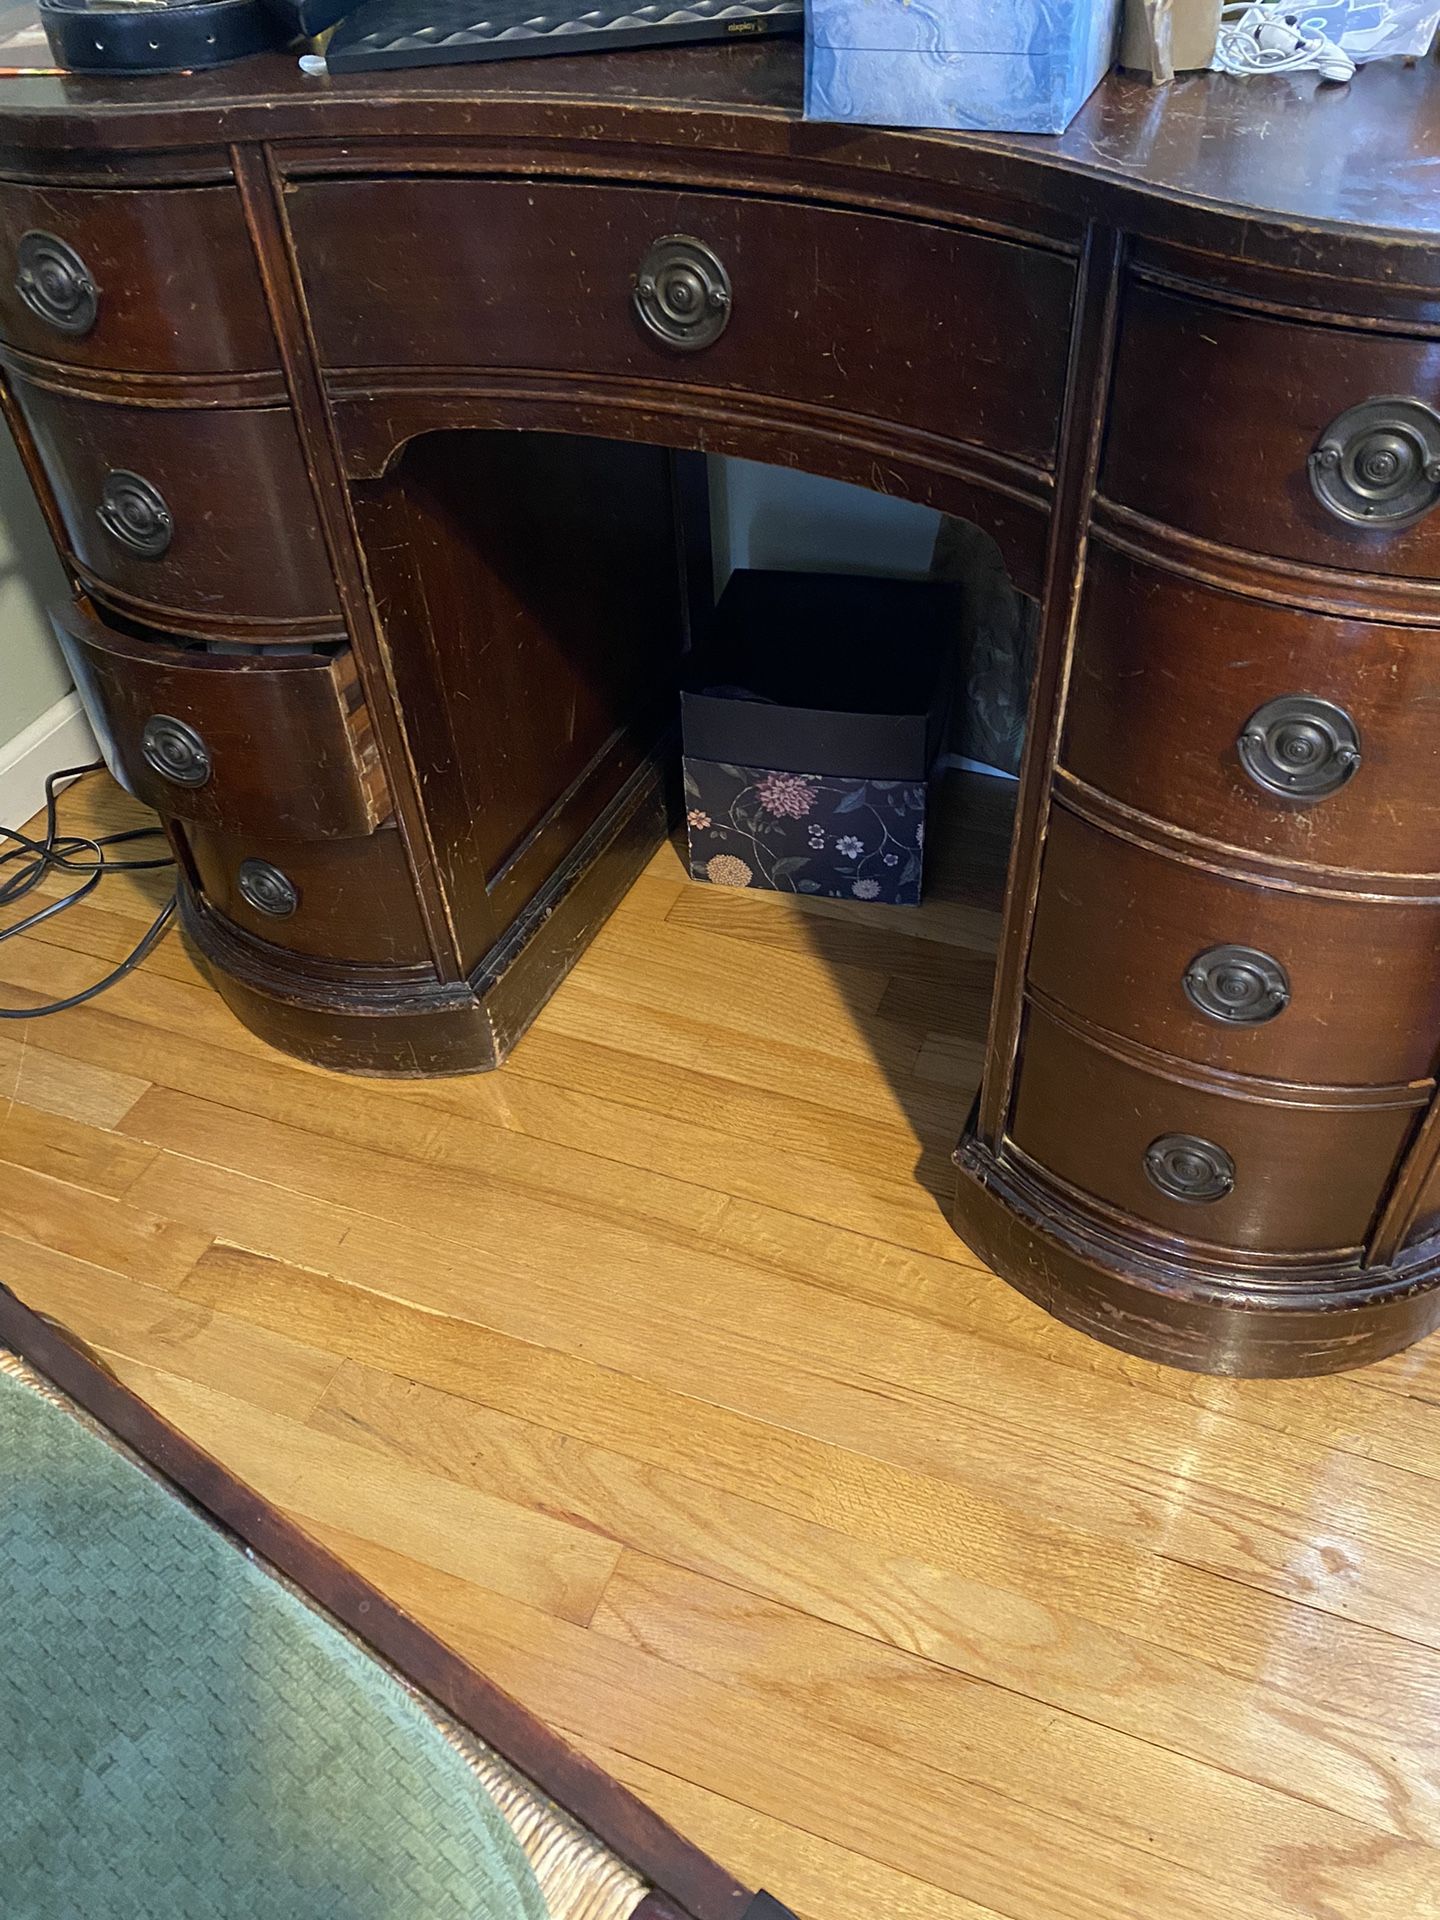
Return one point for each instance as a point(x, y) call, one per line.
point(698, 819)
point(790, 794)
point(866, 889)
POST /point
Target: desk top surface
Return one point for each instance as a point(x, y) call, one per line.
point(1363, 157)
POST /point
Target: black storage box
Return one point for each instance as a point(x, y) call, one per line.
point(813, 719)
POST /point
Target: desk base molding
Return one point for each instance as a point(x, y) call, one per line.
point(1262, 1323)
point(403, 1023)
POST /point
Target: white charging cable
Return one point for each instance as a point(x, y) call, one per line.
point(1268, 38)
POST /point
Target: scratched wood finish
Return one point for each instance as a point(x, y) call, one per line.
point(969, 344)
point(174, 277)
point(1119, 926)
point(356, 901)
point(1126, 340)
point(536, 582)
point(1147, 633)
point(245, 546)
point(1215, 414)
point(288, 741)
point(717, 1450)
point(1307, 1165)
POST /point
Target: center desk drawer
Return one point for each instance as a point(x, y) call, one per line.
point(952, 332)
point(258, 740)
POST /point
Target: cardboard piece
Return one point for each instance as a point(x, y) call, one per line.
point(1164, 37)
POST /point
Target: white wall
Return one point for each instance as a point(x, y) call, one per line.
point(40, 724)
point(772, 517)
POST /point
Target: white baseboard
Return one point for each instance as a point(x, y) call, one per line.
point(61, 737)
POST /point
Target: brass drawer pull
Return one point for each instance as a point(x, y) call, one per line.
point(1184, 1167)
point(55, 284)
point(1378, 464)
point(682, 293)
point(134, 512)
point(267, 889)
point(1299, 746)
point(1239, 985)
point(175, 751)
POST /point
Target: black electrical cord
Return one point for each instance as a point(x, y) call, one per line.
point(79, 854)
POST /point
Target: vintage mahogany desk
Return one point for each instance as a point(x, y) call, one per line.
point(398, 676)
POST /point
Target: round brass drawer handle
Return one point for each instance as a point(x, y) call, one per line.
point(1378, 464)
point(55, 284)
point(682, 293)
point(265, 888)
point(134, 512)
point(1239, 985)
point(1299, 746)
point(175, 751)
point(1184, 1167)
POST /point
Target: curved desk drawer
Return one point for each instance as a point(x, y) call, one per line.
point(335, 900)
point(954, 333)
point(1286, 1177)
point(1145, 947)
point(1167, 676)
point(235, 740)
point(199, 514)
point(1216, 414)
point(154, 280)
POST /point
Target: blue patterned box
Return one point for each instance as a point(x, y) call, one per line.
point(1007, 66)
point(813, 721)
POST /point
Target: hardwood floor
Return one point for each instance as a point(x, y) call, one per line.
point(650, 1374)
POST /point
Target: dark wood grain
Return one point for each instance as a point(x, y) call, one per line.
point(1119, 924)
point(1169, 671)
point(176, 281)
point(530, 590)
point(288, 737)
point(1215, 413)
point(1092, 343)
point(541, 276)
point(1308, 1163)
point(357, 903)
point(246, 549)
point(1189, 1308)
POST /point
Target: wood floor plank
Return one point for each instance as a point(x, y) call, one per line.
point(449, 1528)
point(974, 1421)
point(897, 1811)
point(69, 1150)
point(451, 1175)
point(821, 1881)
point(147, 1326)
point(1224, 1826)
point(76, 1089)
point(104, 1231)
point(34, 970)
point(1154, 1658)
point(733, 1546)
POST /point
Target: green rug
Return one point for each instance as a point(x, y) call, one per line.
point(182, 1738)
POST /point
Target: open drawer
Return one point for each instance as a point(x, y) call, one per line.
point(270, 740)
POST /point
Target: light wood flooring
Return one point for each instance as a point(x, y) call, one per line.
point(651, 1375)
